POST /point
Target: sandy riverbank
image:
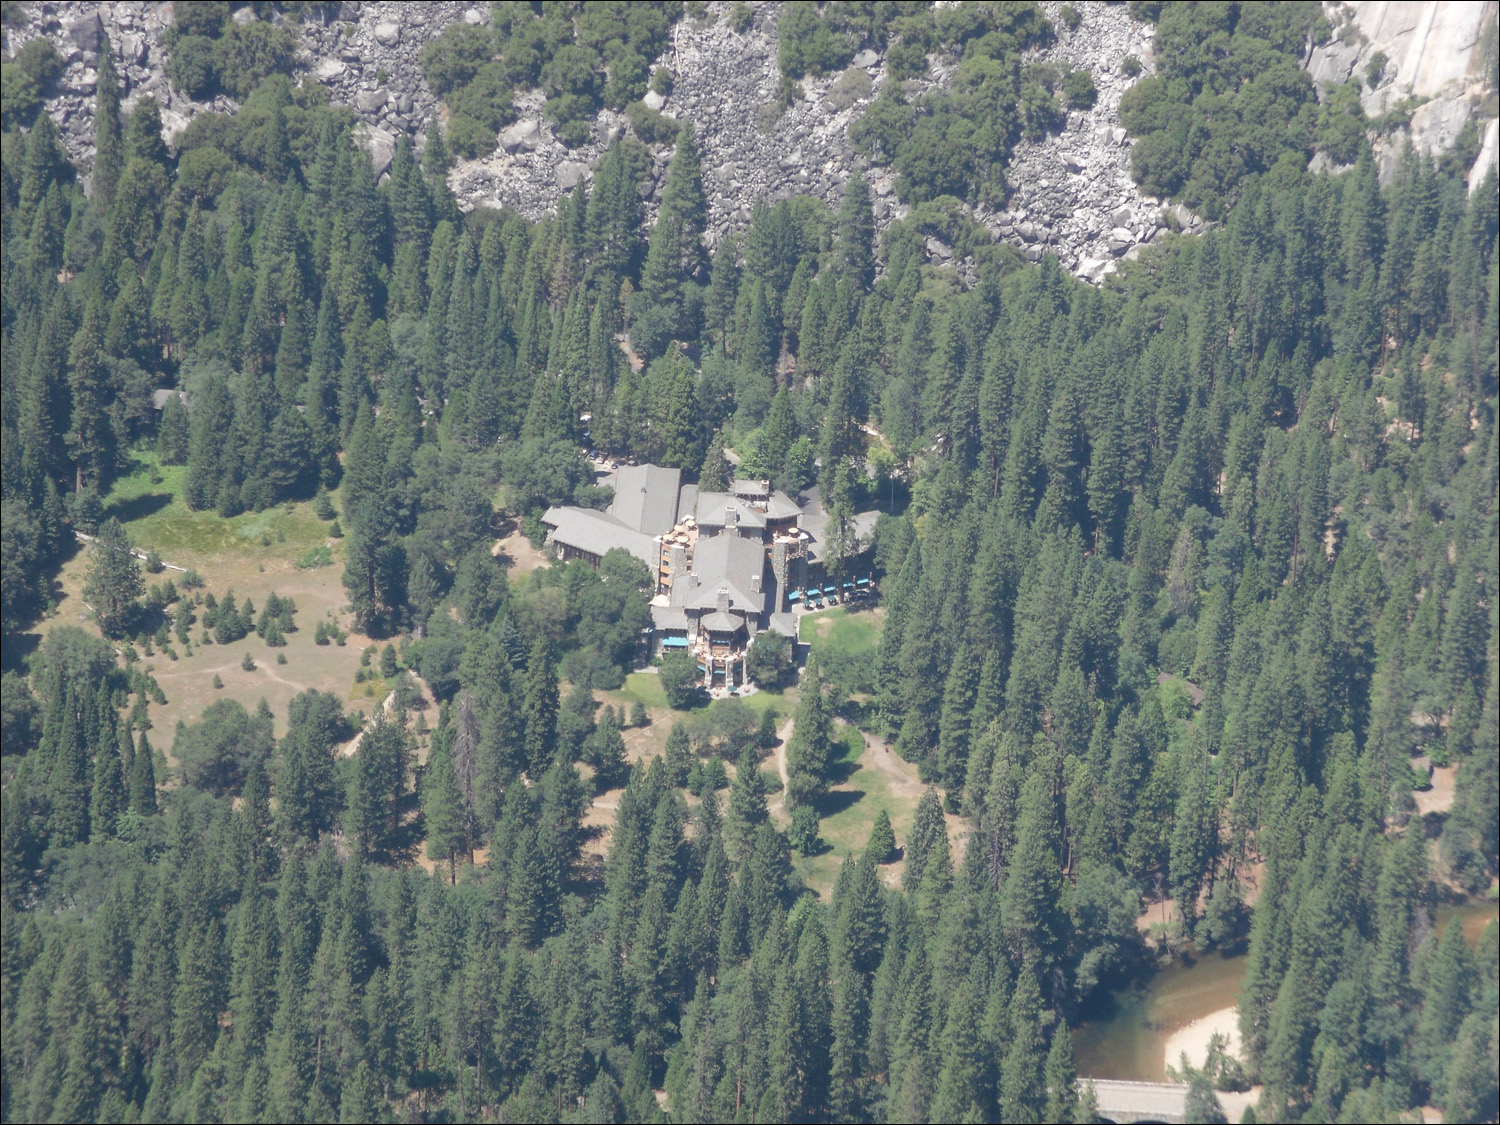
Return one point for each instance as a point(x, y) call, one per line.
point(1192, 1040)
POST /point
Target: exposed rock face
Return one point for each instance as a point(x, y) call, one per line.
point(368, 59)
point(1067, 187)
point(1432, 51)
point(1072, 195)
point(1072, 192)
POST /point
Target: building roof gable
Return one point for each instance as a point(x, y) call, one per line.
point(646, 498)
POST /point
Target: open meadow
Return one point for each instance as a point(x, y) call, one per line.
point(250, 555)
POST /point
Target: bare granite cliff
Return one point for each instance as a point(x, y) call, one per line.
point(1072, 192)
point(1439, 55)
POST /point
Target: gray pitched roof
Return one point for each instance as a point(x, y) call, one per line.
point(668, 617)
point(726, 561)
point(781, 506)
point(646, 498)
point(714, 507)
point(598, 532)
point(718, 622)
point(785, 624)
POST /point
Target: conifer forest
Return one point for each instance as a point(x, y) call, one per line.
point(1186, 598)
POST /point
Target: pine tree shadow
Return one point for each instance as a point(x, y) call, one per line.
point(17, 650)
point(841, 771)
point(137, 507)
point(838, 801)
point(404, 845)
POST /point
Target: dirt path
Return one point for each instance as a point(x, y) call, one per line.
point(901, 774)
point(1438, 798)
point(353, 745)
point(523, 557)
point(784, 732)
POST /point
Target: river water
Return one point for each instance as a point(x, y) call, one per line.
point(1126, 1036)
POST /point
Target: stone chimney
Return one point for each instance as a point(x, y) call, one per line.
point(755, 583)
point(779, 569)
point(723, 599)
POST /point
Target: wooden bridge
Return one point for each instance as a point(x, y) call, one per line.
point(1124, 1102)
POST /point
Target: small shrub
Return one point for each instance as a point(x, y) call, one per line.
point(651, 127)
point(281, 658)
point(1130, 66)
point(248, 664)
point(218, 682)
point(767, 116)
point(852, 86)
point(366, 656)
point(1070, 16)
point(191, 65)
point(335, 532)
point(318, 556)
point(469, 138)
point(741, 16)
point(451, 61)
point(192, 580)
point(534, 529)
point(906, 59)
point(154, 565)
point(661, 81)
point(323, 507)
point(638, 715)
point(1078, 88)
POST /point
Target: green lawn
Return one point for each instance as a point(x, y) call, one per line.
point(641, 687)
point(854, 805)
point(149, 503)
point(783, 702)
point(855, 632)
point(645, 687)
